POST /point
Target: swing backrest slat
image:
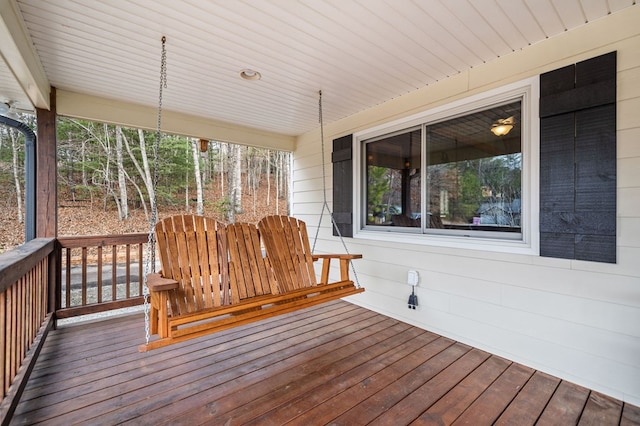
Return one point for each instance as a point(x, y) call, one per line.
point(287, 244)
point(193, 252)
point(250, 271)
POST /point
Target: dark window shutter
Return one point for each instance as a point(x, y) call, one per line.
point(342, 159)
point(578, 161)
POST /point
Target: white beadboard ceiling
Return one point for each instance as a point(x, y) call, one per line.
point(360, 53)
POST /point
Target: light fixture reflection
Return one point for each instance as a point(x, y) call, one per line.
point(502, 126)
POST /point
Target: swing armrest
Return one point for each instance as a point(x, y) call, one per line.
point(336, 256)
point(157, 282)
point(344, 265)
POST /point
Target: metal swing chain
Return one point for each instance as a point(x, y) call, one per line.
point(150, 264)
point(324, 192)
point(325, 204)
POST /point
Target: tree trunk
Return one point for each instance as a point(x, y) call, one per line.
point(122, 180)
point(146, 174)
point(222, 156)
point(238, 178)
point(187, 154)
point(70, 178)
point(16, 173)
point(283, 177)
point(195, 149)
point(269, 178)
point(140, 194)
point(234, 182)
point(278, 180)
point(85, 181)
point(106, 144)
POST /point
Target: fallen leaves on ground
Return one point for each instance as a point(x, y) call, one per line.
point(83, 218)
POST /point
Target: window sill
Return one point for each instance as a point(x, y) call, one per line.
point(449, 241)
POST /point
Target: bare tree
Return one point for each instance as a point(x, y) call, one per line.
point(13, 134)
point(69, 154)
point(278, 180)
point(282, 177)
point(140, 194)
point(144, 171)
point(198, 177)
point(269, 163)
point(187, 154)
point(102, 177)
point(234, 181)
point(106, 175)
point(148, 181)
point(122, 180)
point(254, 159)
point(83, 156)
point(237, 181)
point(222, 156)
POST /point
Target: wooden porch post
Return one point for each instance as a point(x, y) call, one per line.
point(46, 177)
point(47, 189)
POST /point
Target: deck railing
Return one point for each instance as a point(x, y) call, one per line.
point(26, 305)
point(100, 273)
point(70, 276)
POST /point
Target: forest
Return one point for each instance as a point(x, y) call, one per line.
point(108, 178)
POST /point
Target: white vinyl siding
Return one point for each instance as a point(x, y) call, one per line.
point(574, 319)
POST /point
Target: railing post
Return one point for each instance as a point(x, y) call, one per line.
point(55, 284)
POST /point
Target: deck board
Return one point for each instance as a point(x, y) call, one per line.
point(412, 406)
point(630, 415)
point(375, 405)
point(334, 363)
point(530, 401)
point(303, 357)
point(247, 404)
point(359, 392)
point(600, 410)
point(496, 398)
point(338, 383)
point(566, 405)
point(458, 399)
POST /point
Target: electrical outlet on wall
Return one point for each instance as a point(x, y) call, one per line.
point(413, 278)
point(413, 300)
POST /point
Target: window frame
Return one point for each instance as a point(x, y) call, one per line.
point(525, 90)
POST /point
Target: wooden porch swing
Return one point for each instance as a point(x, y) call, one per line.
point(215, 276)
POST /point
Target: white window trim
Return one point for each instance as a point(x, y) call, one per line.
point(529, 90)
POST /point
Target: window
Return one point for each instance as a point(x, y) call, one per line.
point(393, 180)
point(475, 176)
point(463, 172)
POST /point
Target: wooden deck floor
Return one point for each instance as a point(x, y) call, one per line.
point(336, 363)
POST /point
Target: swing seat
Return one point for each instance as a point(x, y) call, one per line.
point(215, 277)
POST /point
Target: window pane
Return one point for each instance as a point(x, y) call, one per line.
point(393, 180)
point(475, 171)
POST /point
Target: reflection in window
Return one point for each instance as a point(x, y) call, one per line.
point(473, 174)
point(393, 180)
